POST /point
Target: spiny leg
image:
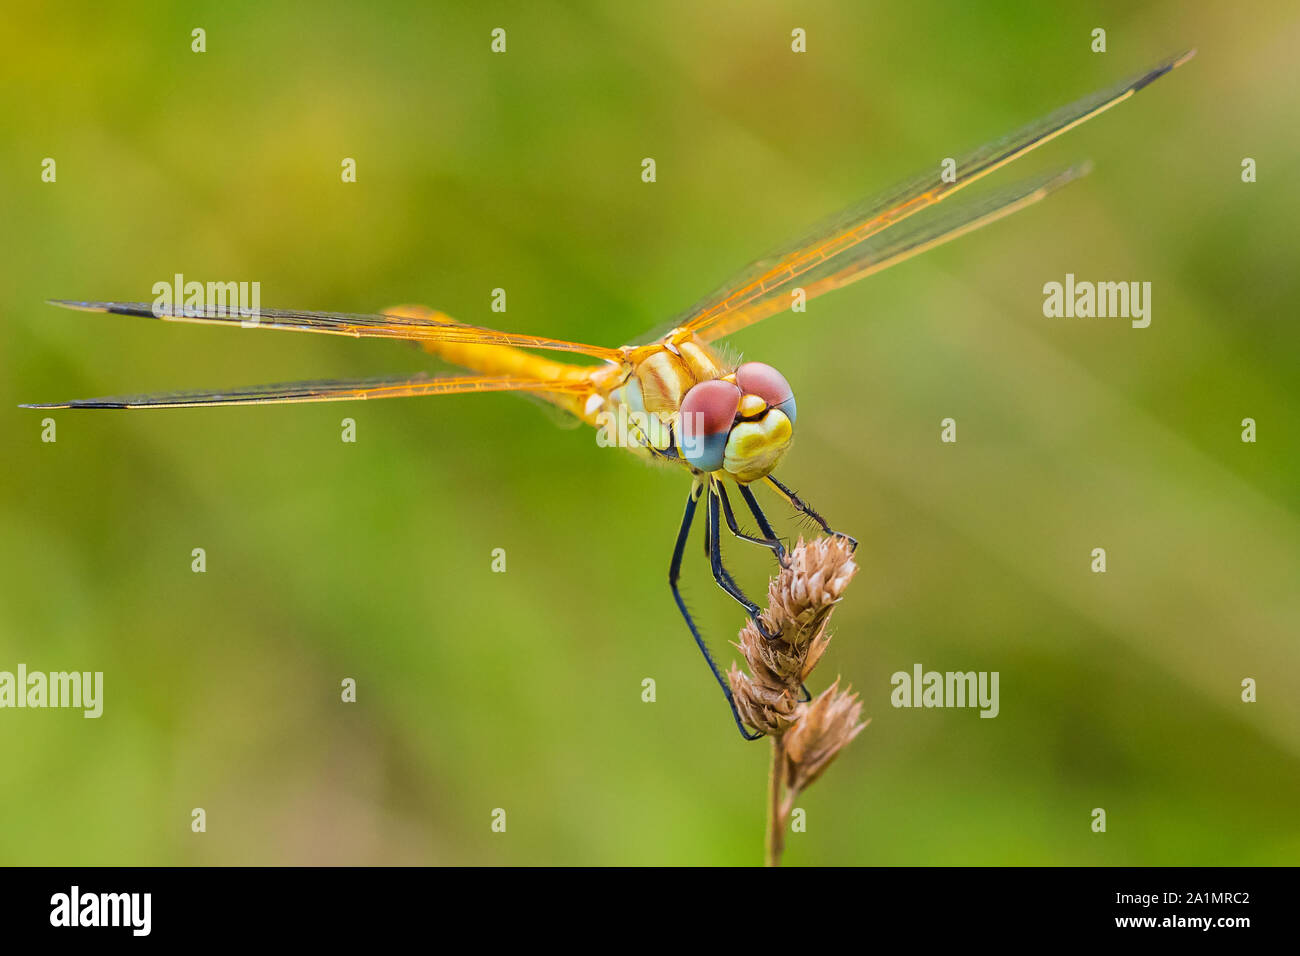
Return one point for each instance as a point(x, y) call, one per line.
point(801, 506)
point(727, 582)
point(709, 527)
point(674, 572)
point(720, 573)
point(769, 541)
point(763, 524)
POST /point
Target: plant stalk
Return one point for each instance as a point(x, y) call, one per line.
point(776, 811)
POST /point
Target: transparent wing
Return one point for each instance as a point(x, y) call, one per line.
point(926, 231)
point(337, 390)
point(835, 239)
point(405, 327)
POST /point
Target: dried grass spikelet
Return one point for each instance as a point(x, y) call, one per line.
point(806, 736)
point(800, 600)
point(823, 729)
point(763, 706)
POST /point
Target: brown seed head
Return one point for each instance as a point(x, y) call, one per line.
point(800, 600)
point(768, 708)
point(821, 729)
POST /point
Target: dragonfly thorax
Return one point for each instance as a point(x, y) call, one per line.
point(682, 403)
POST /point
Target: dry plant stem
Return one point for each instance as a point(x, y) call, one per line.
point(775, 817)
point(780, 804)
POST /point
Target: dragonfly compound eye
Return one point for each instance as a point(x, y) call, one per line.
point(707, 414)
point(755, 378)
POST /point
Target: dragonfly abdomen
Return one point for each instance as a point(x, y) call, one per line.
point(507, 362)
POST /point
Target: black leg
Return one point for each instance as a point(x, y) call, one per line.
point(730, 584)
point(720, 573)
point(674, 572)
point(766, 528)
point(770, 541)
point(799, 505)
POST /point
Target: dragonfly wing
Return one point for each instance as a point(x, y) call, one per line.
point(336, 390)
point(383, 326)
point(838, 237)
point(920, 234)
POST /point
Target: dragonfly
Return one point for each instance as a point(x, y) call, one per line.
point(673, 398)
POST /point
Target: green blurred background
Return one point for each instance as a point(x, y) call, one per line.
point(523, 690)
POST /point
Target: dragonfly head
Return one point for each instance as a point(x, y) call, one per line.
point(742, 423)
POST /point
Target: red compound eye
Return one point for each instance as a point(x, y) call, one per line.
point(709, 408)
point(707, 414)
point(755, 378)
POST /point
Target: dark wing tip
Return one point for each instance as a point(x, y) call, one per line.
point(1168, 66)
point(114, 308)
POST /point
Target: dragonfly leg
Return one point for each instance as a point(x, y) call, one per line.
point(674, 573)
point(801, 506)
point(766, 528)
point(764, 525)
point(730, 583)
point(722, 576)
point(770, 540)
